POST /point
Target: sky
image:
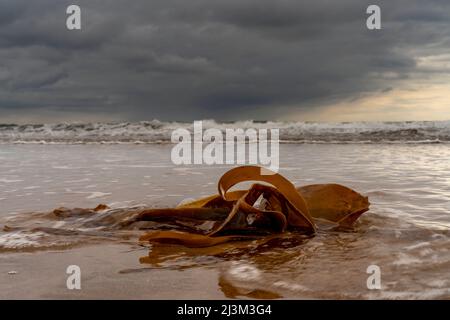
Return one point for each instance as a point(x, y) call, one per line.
point(184, 60)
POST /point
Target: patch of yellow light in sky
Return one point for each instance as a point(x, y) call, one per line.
point(419, 104)
point(427, 97)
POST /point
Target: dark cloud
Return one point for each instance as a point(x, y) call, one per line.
point(184, 60)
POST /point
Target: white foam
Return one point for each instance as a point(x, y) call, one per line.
point(95, 195)
point(4, 180)
point(20, 240)
point(404, 259)
point(428, 294)
point(291, 286)
point(418, 245)
point(59, 224)
point(31, 187)
point(244, 271)
point(160, 132)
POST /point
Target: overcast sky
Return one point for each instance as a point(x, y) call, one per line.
point(225, 60)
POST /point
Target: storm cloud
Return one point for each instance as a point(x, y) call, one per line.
point(194, 59)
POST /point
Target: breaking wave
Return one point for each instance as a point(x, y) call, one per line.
point(290, 132)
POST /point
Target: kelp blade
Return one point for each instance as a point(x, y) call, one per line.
point(334, 202)
point(236, 216)
point(188, 239)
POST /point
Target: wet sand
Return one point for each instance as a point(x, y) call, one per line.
point(405, 233)
point(107, 272)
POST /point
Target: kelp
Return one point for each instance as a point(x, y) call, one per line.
point(256, 212)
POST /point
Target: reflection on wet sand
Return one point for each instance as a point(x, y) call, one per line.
point(331, 265)
point(233, 292)
point(234, 271)
point(165, 255)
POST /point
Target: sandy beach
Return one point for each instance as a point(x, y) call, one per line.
point(108, 272)
point(405, 233)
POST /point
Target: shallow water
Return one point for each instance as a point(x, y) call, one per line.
point(406, 232)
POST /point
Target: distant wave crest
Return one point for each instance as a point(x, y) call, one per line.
point(156, 131)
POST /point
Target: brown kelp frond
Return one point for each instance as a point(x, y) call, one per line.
point(334, 202)
point(188, 239)
point(259, 211)
point(254, 173)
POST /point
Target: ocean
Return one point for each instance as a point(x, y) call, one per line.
point(290, 132)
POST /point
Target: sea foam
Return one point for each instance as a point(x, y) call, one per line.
point(156, 131)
